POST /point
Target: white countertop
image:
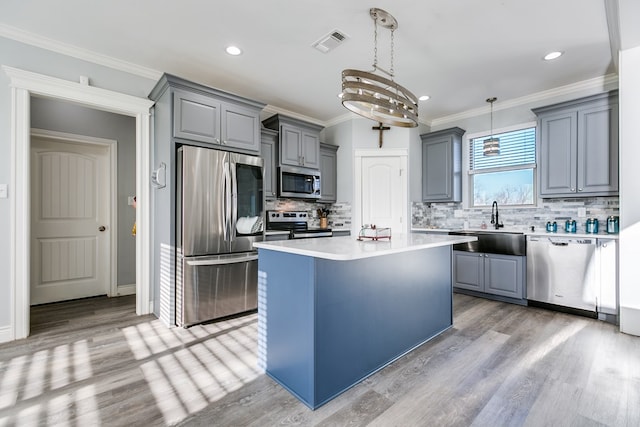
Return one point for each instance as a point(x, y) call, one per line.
point(349, 248)
point(542, 232)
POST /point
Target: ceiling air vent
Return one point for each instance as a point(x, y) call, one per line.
point(330, 41)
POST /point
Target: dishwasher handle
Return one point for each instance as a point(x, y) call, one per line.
point(559, 243)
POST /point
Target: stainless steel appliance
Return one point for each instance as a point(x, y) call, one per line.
point(220, 215)
point(295, 222)
point(561, 273)
point(300, 183)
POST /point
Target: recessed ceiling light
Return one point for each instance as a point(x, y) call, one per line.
point(552, 55)
point(424, 97)
point(233, 50)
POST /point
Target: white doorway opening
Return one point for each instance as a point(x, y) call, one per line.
point(24, 84)
point(381, 188)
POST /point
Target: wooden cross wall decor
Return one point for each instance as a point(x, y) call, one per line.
point(381, 129)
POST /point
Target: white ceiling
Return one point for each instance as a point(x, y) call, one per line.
point(459, 52)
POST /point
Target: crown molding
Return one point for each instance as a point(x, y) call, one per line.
point(270, 110)
point(597, 83)
point(32, 39)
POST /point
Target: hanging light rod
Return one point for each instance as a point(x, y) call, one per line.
point(376, 97)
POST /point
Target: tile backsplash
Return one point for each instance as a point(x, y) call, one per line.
point(452, 215)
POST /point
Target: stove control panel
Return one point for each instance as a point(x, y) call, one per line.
point(287, 216)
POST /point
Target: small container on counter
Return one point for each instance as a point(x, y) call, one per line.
point(552, 227)
point(613, 224)
point(570, 226)
point(592, 225)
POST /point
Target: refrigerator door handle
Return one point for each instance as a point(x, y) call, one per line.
point(227, 202)
point(221, 261)
point(233, 198)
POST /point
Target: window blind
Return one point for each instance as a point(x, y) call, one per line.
point(517, 150)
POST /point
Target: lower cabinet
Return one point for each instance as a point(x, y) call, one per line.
point(492, 274)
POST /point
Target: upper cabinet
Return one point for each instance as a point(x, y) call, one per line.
point(578, 147)
point(268, 153)
point(299, 141)
point(206, 115)
point(442, 165)
point(328, 173)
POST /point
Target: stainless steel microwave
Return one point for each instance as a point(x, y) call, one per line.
point(299, 183)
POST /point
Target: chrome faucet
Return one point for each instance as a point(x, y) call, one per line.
point(494, 216)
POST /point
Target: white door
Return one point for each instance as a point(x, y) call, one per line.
point(70, 242)
point(384, 189)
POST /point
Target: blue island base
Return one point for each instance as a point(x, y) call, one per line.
point(325, 325)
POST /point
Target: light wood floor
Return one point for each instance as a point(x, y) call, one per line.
point(93, 362)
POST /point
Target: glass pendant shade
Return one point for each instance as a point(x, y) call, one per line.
point(491, 146)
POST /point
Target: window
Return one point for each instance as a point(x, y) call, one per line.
point(508, 177)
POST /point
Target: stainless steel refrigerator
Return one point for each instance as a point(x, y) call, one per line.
point(220, 215)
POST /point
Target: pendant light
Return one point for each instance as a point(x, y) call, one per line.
point(491, 146)
point(374, 96)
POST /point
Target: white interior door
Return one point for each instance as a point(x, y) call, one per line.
point(384, 189)
point(70, 242)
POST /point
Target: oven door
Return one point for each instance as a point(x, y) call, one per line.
point(298, 183)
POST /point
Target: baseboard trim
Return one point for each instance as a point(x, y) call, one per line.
point(122, 290)
point(630, 320)
point(5, 334)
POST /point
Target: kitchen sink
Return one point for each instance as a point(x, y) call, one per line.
point(493, 242)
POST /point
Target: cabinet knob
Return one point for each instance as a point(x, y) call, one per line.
point(579, 189)
point(604, 245)
point(217, 140)
point(573, 189)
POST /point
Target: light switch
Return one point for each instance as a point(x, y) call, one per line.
point(4, 191)
point(130, 200)
point(582, 212)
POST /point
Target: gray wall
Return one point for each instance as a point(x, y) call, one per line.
point(26, 57)
point(66, 117)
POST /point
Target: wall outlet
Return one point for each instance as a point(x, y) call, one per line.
point(130, 200)
point(4, 191)
point(582, 212)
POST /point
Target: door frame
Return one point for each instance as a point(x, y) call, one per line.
point(403, 154)
point(23, 85)
point(112, 153)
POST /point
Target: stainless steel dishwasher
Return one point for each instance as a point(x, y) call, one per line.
point(561, 272)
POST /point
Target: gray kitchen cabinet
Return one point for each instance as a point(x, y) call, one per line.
point(328, 173)
point(210, 118)
point(442, 165)
point(299, 141)
point(468, 270)
point(492, 274)
point(268, 146)
point(196, 117)
point(240, 127)
point(578, 147)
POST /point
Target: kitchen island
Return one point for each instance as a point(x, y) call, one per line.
point(333, 311)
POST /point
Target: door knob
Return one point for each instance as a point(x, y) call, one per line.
point(102, 228)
